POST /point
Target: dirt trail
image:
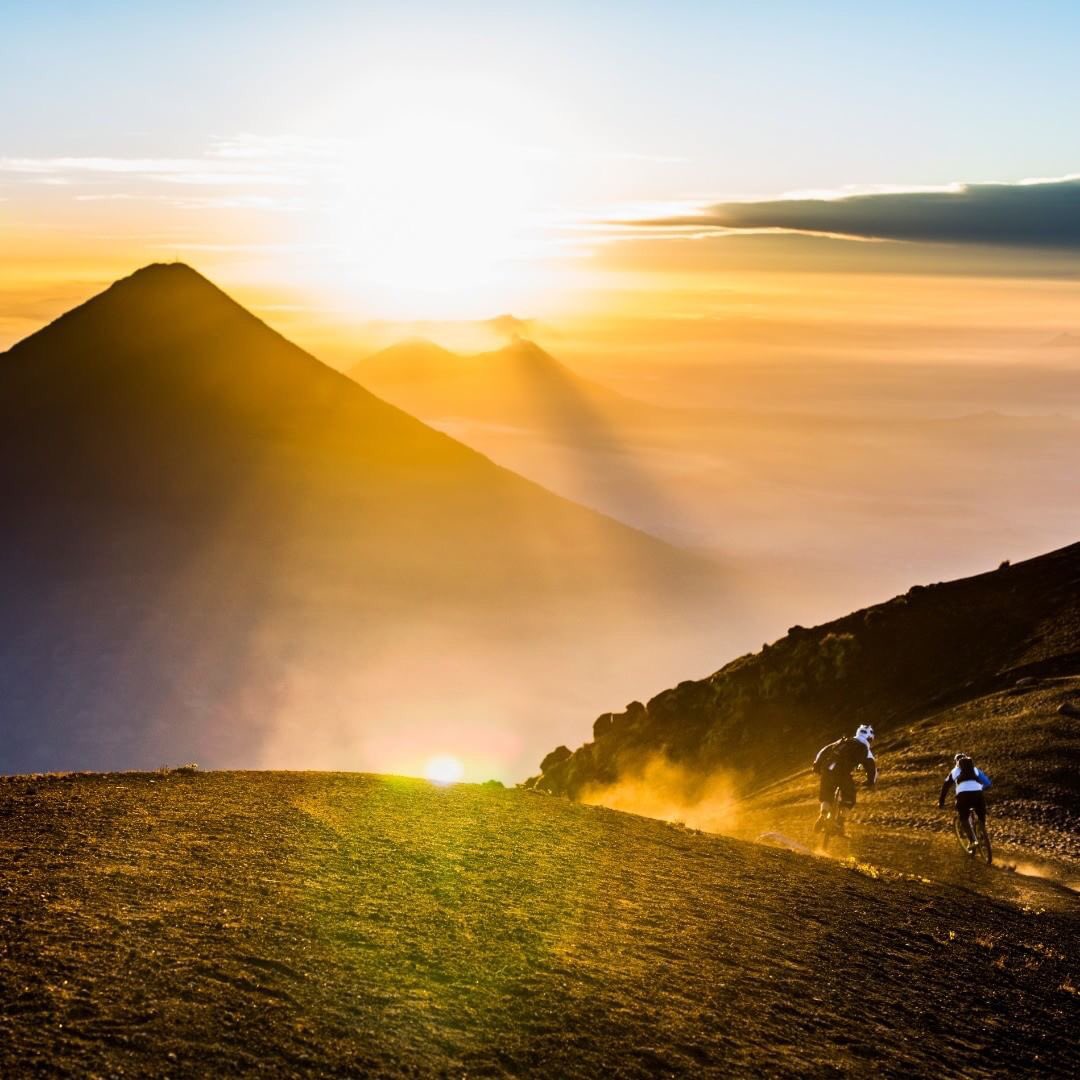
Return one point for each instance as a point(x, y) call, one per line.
point(320, 924)
point(935, 857)
point(1027, 747)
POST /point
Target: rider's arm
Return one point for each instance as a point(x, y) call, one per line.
point(983, 778)
point(870, 765)
point(945, 789)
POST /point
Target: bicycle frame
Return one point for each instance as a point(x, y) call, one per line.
point(979, 835)
point(835, 819)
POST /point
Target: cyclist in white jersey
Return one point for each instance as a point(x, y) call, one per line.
point(970, 783)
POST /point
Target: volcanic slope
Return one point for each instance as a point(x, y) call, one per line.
point(349, 925)
point(934, 671)
point(1019, 736)
point(217, 547)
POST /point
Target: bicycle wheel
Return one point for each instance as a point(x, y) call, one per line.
point(961, 836)
point(983, 838)
point(832, 822)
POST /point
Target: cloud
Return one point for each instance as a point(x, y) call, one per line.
point(114, 196)
point(1043, 214)
point(252, 248)
point(196, 171)
point(239, 160)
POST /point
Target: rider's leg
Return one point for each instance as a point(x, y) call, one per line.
point(846, 785)
point(847, 792)
point(825, 790)
point(979, 802)
point(964, 805)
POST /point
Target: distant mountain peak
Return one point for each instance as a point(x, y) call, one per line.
point(163, 270)
point(420, 345)
point(157, 303)
point(176, 279)
point(165, 278)
point(512, 381)
point(521, 346)
point(517, 354)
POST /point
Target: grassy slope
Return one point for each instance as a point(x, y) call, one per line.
point(345, 924)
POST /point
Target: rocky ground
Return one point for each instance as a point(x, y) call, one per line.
point(320, 924)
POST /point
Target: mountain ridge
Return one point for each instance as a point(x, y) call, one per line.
point(519, 382)
point(892, 664)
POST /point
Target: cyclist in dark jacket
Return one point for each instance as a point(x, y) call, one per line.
point(836, 762)
point(970, 782)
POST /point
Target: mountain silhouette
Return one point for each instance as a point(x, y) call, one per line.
point(536, 416)
point(520, 383)
point(216, 546)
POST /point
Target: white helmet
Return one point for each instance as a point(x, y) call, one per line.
point(865, 734)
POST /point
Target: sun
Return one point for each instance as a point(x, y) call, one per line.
point(431, 206)
point(444, 769)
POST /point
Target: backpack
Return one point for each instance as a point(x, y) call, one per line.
point(967, 770)
point(832, 754)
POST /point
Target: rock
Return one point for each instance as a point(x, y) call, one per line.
point(1027, 680)
point(556, 757)
point(1069, 709)
point(603, 724)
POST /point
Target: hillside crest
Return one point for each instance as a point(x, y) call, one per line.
point(763, 715)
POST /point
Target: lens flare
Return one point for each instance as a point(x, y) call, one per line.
point(444, 769)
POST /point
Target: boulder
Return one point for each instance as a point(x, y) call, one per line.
point(556, 757)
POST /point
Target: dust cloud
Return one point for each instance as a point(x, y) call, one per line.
point(657, 787)
point(1044, 873)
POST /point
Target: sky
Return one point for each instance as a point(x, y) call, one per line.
point(671, 197)
point(343, 165)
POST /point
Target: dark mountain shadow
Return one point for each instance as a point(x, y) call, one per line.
point(523, 386)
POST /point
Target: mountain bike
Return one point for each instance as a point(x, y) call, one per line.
point(834, 820)
point(978, 830)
